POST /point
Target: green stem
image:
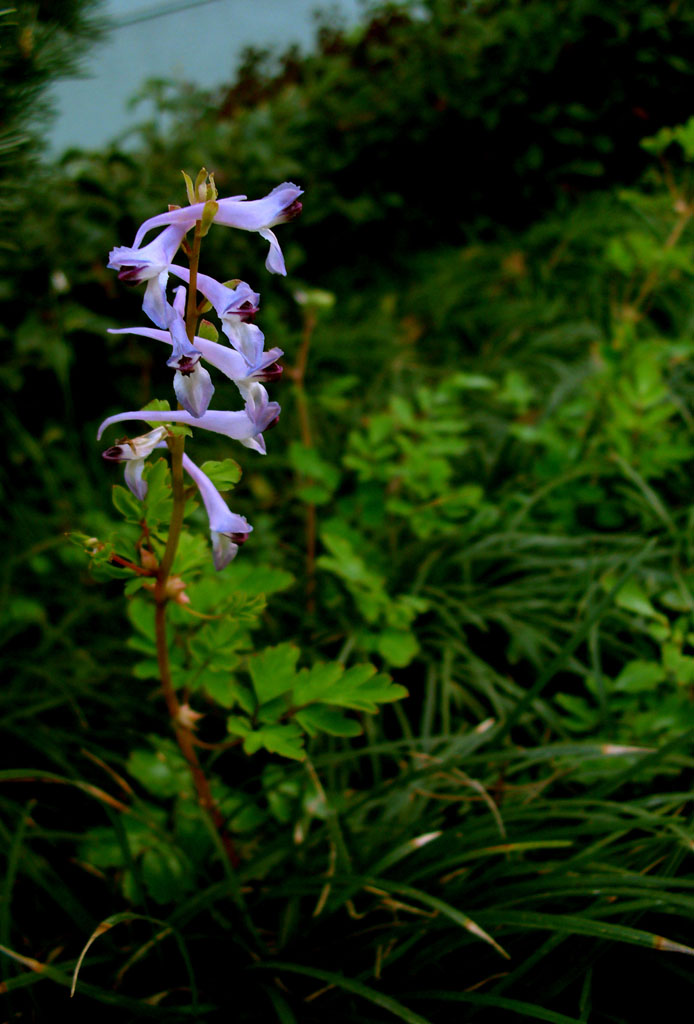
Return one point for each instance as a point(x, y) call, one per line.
point(192, 305)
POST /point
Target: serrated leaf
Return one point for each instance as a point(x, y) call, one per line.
point(238, 726)
point(367, 695)
point(127, 504)
point(286, 740)
point(157, 405)
point(316, 683)
point(158, 498)
point(320, 718)
point(222, 474)
point(220, 686)
point(273, 710)
point(180, 430)
point(273, 671)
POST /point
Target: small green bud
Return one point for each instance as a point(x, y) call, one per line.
point(208, 331)
point(208, 215)
point(190, 191)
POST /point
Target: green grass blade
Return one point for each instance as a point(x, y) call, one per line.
point(513, 1005)
point(349, 985)
point(577, 925)
point(443, 908)
point(282, 1008)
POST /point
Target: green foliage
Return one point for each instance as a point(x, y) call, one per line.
point(480, 497)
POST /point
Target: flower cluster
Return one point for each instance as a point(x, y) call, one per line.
point(243, 360)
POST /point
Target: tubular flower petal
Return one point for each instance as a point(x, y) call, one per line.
point(246, 426)
point(241, 301)
point(194, 389)
point(234, 307)
point(260, 215)
point(134, 451)
point(151, 264)
point(184, 355)
point(227, 529)
point(232, 364)
point(192, 382)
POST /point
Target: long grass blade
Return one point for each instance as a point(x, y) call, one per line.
point(349, 985)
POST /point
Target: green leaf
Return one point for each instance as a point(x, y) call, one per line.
point(397, 647)
point(286, 740)
point(141, 613)
point(309, 463)
point(158, 498)
point(320, 718)
point(364, 694)
point(220, 686)
point(127, 504)
point(633, 598)
point(162, 772)
point(316, 683)
point(640, 677)
point(238, 726)
point(273, 671)
point(254, 580)
point(222, 474)
point(157, 405)
point(164, 874)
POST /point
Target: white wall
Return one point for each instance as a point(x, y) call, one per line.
point(189, 40)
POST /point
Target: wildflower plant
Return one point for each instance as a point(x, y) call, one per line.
point(192, 619)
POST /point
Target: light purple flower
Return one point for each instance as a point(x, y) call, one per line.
point(232, 364)
point(227, 529)
point(192, 382)
point(246, 426)
point(234, 307)
point(151, 264)
point(240, 301)
point(133, 452)
point(278, 206)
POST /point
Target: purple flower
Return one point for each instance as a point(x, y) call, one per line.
point(227, 529)
point(134, 451)
point(232, 364)
point(151, 264)
point(192, 382)
point(234, 307)
point(278, 206)
point(246, 426)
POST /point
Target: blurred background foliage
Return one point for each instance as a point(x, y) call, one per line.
point(482, 483)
